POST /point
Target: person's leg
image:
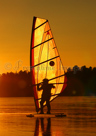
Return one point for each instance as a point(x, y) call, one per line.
point(41, 103)
point(48, 106)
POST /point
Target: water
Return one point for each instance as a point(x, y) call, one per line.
point(80, 120)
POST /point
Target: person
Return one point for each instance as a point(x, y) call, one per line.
point(46, 94)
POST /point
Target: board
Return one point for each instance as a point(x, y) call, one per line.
point(46, 115)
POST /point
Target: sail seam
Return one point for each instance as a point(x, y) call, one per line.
point(53, 79)
point(42, 43)
point(45, 61)
point(41, 25)
point(57, 77)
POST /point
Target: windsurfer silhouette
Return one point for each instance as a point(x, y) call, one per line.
point(46, 94)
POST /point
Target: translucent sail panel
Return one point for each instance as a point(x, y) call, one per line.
point(46, 61)
point(38, 35)
point(40, 28)
point(42, 36)
point(39, 22)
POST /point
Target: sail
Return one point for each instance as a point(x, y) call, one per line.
point(45, 60)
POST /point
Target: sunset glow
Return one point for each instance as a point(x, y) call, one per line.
point(73, 24)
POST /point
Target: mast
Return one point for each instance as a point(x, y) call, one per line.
point(31, 58)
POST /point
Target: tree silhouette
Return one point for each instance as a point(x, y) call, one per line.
point(82, 82)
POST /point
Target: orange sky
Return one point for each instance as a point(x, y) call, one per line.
point(73, 23)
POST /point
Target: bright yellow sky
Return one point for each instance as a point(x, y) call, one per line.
point(73, 23)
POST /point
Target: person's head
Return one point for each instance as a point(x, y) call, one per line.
point(45, 81)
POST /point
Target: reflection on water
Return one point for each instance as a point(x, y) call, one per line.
point(42, 128)
point(80, 120)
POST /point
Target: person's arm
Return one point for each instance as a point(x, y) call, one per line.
point(38, 87)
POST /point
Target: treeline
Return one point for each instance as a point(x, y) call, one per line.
point(16, 84)
point(80, 82)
